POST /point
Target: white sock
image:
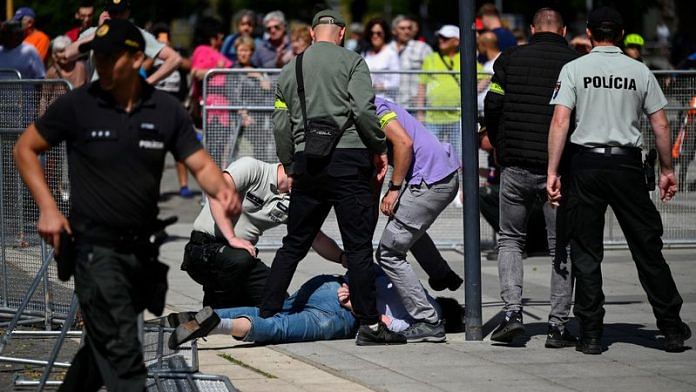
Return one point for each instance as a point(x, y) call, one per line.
point(374, 327)
point(223, 328)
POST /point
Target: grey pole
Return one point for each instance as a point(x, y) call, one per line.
point(472, 252)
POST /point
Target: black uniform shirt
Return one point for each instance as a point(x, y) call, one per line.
point(116, 158)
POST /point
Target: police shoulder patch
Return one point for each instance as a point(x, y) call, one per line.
point(557, 89)
point(102, 30)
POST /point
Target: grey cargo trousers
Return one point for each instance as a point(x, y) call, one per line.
point(418, 208)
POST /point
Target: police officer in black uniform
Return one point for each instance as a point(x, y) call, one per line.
point(117, 132)
point(609, 92)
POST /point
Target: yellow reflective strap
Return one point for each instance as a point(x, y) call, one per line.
point(385, 118)
point(280, 105)
point(496, 88)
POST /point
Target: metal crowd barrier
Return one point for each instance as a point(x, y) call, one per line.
point(22, 251)
point(30, 290)
point(9, 74)
point(238, 103)
point(679, 214)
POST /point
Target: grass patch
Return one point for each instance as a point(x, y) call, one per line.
point(244, 365)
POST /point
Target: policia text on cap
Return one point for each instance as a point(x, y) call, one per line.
point(610, 92)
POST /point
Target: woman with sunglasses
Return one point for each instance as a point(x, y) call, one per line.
point(276, 43)
point(381, 57)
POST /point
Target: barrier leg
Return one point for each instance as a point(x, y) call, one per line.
point(25, 301)
point(59, 343)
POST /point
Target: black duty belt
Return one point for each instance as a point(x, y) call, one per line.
point(614, 150)
point(202, 238)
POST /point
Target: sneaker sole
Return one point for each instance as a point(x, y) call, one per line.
point(508, 335)
point(590, 350)
point(680, 348)
point(552, 343)
point(206, 320)
point(428, 339)
point(174, 319)
point(360, 342)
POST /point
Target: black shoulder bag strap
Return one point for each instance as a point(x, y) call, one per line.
point(449, 67)
point(300, 88)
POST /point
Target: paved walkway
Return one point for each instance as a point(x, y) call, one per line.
point(634, 361)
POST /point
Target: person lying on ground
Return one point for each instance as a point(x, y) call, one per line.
point(319, 310)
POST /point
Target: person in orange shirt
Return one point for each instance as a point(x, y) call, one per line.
point(32, 36)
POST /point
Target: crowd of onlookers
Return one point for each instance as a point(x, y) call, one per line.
point(396, 45)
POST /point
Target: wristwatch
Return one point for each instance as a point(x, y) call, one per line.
point(394, 187)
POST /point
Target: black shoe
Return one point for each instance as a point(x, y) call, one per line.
point(510, 328)
point(174, 319)
point(451, 281)
point(201, 325)
point(592, 346)
point(557, 339)
point(674, 342)
point(382, 336)
point(424, 331)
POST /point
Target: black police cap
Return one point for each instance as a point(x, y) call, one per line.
point(117, 6)
point(115, 35)
point(606, 17)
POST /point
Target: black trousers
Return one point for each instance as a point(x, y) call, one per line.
point(110, 287)
point(595, 182)
point(343, 183)
point(230, 277)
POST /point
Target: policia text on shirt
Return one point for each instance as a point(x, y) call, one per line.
point(609, 82)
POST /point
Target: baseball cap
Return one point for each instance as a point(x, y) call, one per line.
point(448, 31)
point(115, 35)
point(22, 12)
point(328, 17)
point(605, 17)
point(478, 24)
point(117, 6)
point(634, 40)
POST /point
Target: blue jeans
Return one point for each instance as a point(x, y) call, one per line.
point(312, 313)
point(449, 133)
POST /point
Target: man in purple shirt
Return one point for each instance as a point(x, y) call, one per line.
point(424, 181)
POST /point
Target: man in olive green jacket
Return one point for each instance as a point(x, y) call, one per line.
point(338, 89)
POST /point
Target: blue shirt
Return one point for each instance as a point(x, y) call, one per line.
point(25, 59)
point(432, 159)
point(505, 38)
point(265, 55)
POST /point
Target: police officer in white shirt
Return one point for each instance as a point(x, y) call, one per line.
point(609, 93)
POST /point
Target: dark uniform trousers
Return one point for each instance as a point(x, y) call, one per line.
point(345, 183)
point(109, 284)
point(230, 277)
point(597, 180)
